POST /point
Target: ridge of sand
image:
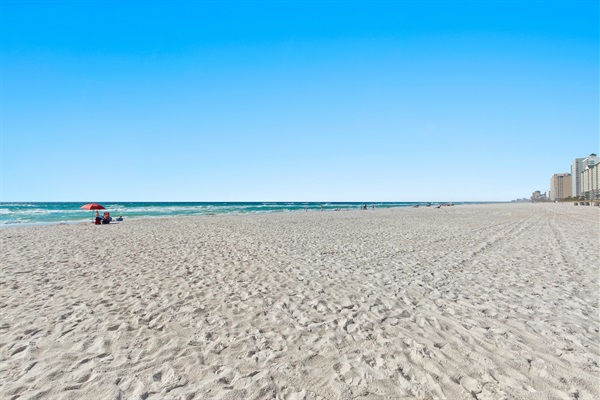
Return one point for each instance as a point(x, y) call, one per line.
point(477, 301)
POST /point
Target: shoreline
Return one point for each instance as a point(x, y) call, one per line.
point(56, 213)
point(497, 300)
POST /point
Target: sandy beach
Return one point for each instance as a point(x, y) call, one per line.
point(475, 301)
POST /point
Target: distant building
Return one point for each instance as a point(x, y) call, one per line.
point(590, 161)
point(577, 168)
point(589, 177)
point(560, 186)
point(538, 196)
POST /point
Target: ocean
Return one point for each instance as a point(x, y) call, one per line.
point(21, 213)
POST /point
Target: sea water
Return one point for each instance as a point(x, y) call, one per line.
point(13, 214)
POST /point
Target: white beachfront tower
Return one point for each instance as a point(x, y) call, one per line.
point(589, 177)
point(577, 168)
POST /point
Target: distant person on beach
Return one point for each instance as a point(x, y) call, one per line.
point(107, 218)
point(98, 219)
point(120, 218)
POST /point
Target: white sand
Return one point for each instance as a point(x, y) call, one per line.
point(485, 302)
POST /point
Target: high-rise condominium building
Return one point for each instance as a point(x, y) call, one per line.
point(589, 177)
point(590, 161)
point(577, 168)
point(560, 186)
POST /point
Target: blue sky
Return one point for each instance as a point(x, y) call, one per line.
point(321, 101)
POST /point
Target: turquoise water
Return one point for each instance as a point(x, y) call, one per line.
point(12, 214)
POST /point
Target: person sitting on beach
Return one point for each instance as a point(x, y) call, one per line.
point(120, 218)
point(98, 219)
point(107, 218)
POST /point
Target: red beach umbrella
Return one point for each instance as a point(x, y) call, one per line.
point(92, 206)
